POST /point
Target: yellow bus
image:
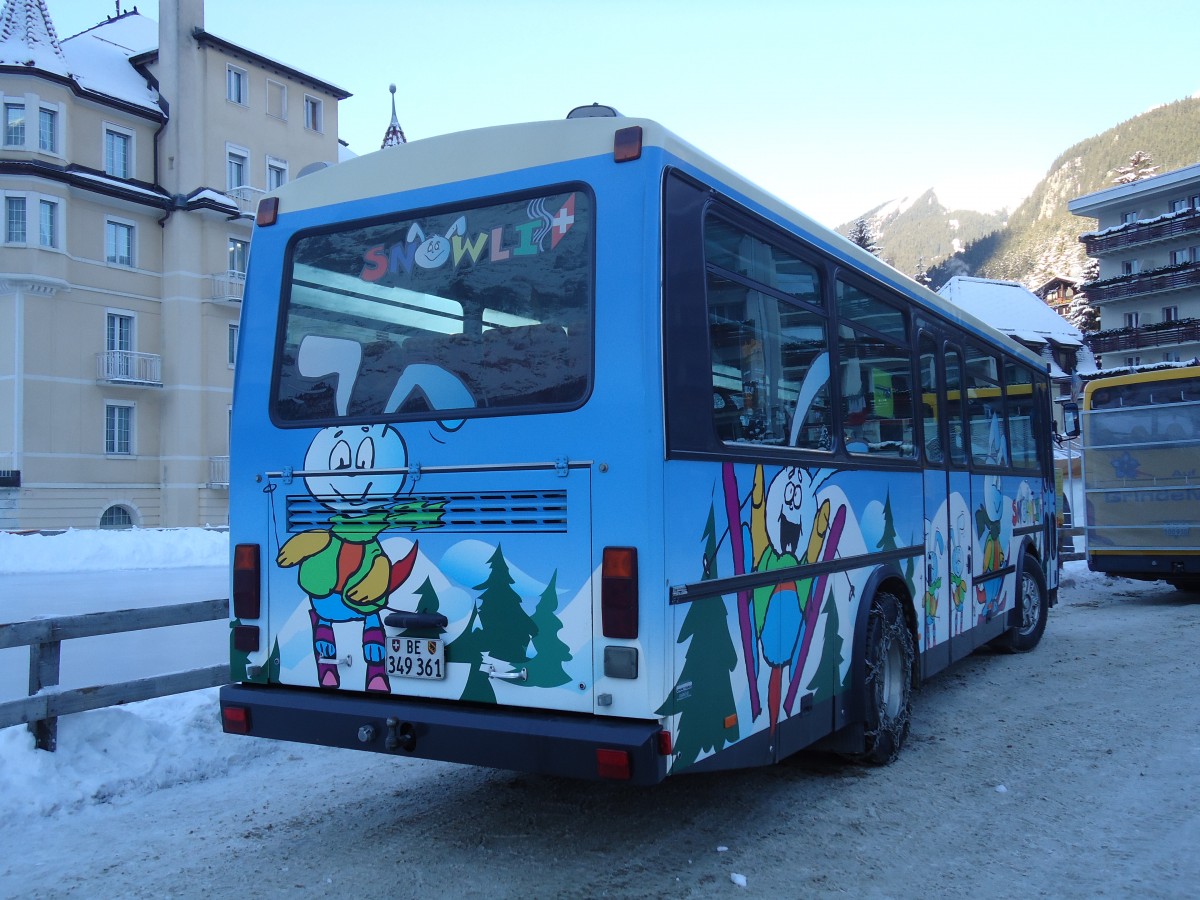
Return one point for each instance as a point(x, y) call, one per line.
point(1141, 475)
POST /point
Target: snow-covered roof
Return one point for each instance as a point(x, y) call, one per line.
point(1011, 308)
point(99, 58)
point(27, 37)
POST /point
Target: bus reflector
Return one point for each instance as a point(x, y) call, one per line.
point(627, 144)
point(235, 720)
point(268, 211)
point(614, 764)
point(664, 743)
point(619, 593)
point(246, 599)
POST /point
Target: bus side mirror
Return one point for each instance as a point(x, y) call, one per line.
point(1070, 413)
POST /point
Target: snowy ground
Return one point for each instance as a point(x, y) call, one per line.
point(1067, 772)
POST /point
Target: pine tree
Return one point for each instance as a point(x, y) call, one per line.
point(1082, 314)
point(863, 234)
point(428, 604)
point(468, 648)
point(546, 667)
point(703, 695)
point(507, 628)
point(826, 680)
point(887, 541)
point(1140, 166)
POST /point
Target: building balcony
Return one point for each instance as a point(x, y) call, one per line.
point(127, 367)
point(1160, 334)
point(246, 198)
point(1123, 287)
point(1136, 234)
point(227, 286)
point(218, 471)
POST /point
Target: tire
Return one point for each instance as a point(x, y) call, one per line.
point(888, 685)
point(1032, 595)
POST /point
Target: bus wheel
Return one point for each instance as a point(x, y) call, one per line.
point(1024, 637)
point(888, 685)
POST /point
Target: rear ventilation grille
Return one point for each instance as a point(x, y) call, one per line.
point(512, 511)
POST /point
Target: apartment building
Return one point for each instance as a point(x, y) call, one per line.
point(1147, 244)
point(132, 160)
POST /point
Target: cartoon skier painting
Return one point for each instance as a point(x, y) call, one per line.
point(933, 586)
point(959, 566)
point(343, 568)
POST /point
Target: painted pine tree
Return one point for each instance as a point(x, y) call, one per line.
point(827, 678)
point(507, 628)
point(468, 648)
point(429, 604)
point(703, 695)
point(546, 667)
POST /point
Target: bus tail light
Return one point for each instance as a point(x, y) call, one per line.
point(627, 144)
point(235, 720)
point(619, 592)
point(665, 746)
point(247, 601)
point(614, 764)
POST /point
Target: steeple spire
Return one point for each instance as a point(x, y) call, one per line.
point(27, 36)
point(394, 135)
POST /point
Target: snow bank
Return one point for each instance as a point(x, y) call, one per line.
point(91, 550)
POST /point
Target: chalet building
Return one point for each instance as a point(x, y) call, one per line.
point(1058, 292)
point(132, 159)
point(1147, 244)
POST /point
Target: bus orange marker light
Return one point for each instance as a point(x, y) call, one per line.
point(730, 721)
point(614, 764)
point(247, 602)
point(627, 144)
point(235, 720)
point(268, 211)
point(619, 593)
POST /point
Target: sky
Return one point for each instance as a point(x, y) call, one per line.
point(834, 107)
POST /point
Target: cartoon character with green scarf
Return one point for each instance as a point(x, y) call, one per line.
point(343, 568)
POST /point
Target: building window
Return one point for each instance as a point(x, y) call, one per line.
point(1170, 313)
point(236, 160)
point(1127, 217)
point(1178, 206)
point(276, 99)
point(119, 332)
point(118, 243)
point(118, 429)
point(116, 517)
point(239, 251)
point(1171, 357)
point(48, 223)
point(14, 124)
point(1131, 361)
point(48, 130)
point(1131, 267)
point(313, 114)
point(14, 220)
point(1182, 257)
point(1132, 319)
point(1194, 201)
point(118, 148)
point(277, 172)
point(233, 340)
point(236, 85)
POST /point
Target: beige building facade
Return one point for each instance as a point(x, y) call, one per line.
point(1147, 244)
point(132, 160)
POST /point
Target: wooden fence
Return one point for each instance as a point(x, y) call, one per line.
point(44, 637)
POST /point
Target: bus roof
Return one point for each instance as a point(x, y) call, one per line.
point(455, 157)
point(1174, 373)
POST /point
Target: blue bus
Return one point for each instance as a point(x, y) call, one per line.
point(560, 447)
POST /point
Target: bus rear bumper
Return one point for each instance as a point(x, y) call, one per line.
point(550, 743)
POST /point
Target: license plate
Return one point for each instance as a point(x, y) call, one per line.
point(412, 657)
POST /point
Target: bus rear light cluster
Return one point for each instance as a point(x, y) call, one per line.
point(247, 601)
point(619, 593)
point(614, 764)
point(235, 720)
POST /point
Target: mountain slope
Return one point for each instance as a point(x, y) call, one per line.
point(1041, 238)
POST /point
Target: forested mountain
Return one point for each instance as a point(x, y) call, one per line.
point(1040, 237)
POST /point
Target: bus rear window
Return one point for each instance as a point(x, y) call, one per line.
point(467, 311)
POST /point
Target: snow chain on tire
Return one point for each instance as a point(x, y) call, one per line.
point(888, 683)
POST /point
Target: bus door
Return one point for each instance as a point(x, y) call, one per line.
point(959, 538)
point(934, 604)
